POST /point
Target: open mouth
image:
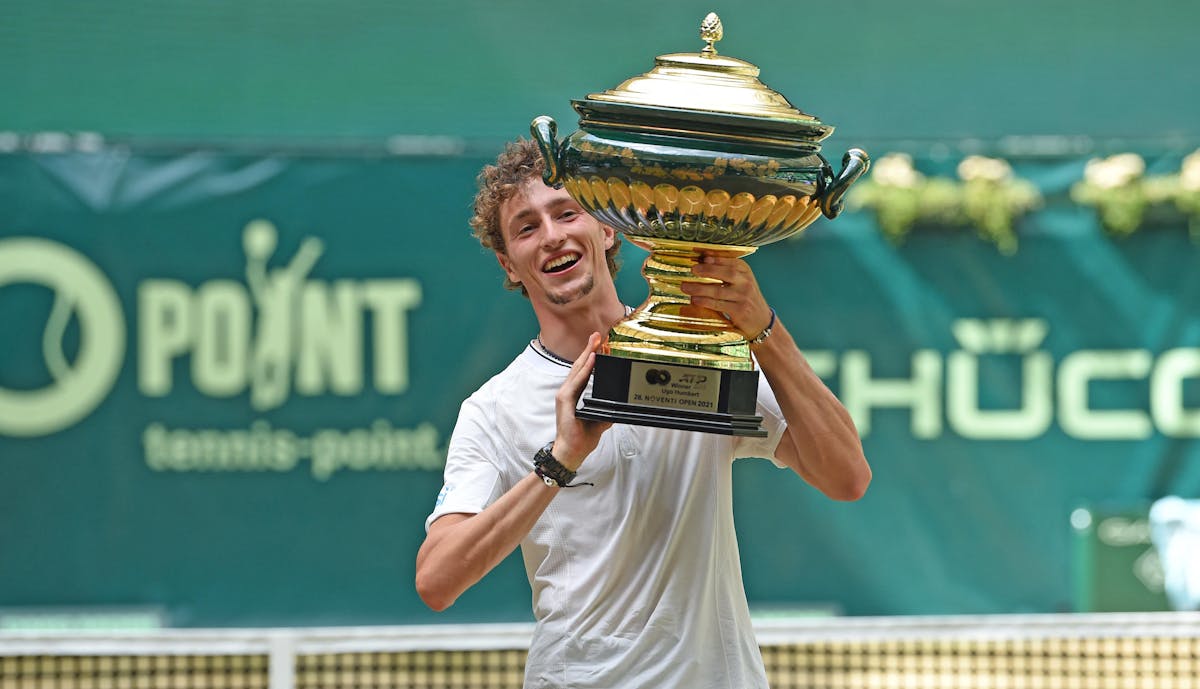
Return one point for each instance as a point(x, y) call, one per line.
point(560, 263)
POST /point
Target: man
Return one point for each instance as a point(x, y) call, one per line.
point(634, 567)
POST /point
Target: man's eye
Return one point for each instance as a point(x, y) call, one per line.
point(569, 215)
point(527, 228)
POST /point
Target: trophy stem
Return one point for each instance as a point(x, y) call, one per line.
point(668, 327)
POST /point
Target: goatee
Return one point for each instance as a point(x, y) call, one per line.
point(572, 296)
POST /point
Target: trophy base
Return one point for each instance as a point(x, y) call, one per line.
point(676, 396)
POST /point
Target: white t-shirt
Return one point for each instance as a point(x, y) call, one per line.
point(636, 580)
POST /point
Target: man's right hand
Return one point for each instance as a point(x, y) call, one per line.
point(576, 438)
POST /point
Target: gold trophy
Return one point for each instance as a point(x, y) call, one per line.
point(695, 156)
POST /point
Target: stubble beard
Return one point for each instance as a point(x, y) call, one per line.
point(584, 290)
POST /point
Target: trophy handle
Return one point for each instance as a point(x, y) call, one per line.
point(854, 164)
point(545, 130)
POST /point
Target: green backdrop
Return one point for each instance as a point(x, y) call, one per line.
point(247, 434)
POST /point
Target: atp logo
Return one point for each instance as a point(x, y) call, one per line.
point(83, 293)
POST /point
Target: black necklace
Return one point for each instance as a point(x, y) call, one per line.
point(562, 359)
point(546, 350)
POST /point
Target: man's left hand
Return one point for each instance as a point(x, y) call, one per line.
point(736, 295)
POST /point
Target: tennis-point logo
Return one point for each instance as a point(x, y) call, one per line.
point(83, 293)
point(281, 332)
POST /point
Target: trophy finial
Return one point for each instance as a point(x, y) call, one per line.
point(711, 31)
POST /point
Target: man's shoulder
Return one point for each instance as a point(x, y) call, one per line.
point(508, 405)
point(521, 372)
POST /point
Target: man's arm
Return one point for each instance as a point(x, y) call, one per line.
point(821, 443)
point(461, 548)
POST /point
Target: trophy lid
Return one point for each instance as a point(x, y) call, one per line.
point(705, 94)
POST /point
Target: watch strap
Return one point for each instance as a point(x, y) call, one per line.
point(551, 471)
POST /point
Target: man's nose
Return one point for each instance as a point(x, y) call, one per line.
point(555, 233)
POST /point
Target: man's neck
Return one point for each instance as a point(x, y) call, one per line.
point(565, 328)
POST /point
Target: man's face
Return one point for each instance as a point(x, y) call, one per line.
point(553, 247)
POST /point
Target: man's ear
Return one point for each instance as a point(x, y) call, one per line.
point(507, 266)
point(609, 236)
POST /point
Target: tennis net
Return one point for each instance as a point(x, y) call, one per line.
point(1073, 651)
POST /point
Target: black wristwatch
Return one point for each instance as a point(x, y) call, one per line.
point(551, 471)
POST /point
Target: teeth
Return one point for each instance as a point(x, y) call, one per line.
point(560, 261)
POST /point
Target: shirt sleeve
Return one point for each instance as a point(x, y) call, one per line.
point(773, 422)
point(472, 479)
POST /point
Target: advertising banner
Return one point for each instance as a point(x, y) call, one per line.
point(227, 382)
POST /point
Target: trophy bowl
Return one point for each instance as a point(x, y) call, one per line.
point(694, 157)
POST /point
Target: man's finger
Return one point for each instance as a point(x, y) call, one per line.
point(590, 348)
point(714, 270)
point(582, 368)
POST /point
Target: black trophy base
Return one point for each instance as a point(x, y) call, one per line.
point(677, 396)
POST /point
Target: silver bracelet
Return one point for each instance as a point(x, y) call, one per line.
point(766, 331)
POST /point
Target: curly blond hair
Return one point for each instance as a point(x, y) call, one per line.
point(520, 161)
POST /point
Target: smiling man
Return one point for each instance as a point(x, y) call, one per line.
point(626, 532)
